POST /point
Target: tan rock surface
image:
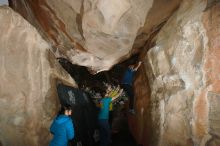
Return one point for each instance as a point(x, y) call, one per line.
point(181, 106)
point(95, 33)
point(183, 71)
point(28, 72)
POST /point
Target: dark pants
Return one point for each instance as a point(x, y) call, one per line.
point(104, 132)
point(129, 91)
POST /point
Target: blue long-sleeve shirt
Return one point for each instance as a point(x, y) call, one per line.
point(128, 76)
point(62, 129)
point(104, 109)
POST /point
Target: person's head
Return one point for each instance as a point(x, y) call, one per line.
point(100, 89)
point(102, 93)
point(131, 66)
point(65, 110)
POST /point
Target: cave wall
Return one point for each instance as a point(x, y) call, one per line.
point(29, 72)
point(183, 70)
point(177, 107)
point(138, 122)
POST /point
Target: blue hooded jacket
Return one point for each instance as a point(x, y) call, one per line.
point(63, 130)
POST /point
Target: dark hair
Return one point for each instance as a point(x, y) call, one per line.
point(102, 92)
point(64, 108)
point(132, 60)
point(100, 89)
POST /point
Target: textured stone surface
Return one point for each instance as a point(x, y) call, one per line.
point(214, 118)
point(138, 121)
point(183, 68)
point(211, 20)
point(95, 33)
point(156, 17)
point(28, 72)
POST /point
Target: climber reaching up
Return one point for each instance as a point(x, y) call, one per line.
point(103, 117)
point(127, 83)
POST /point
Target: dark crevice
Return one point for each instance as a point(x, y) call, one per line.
point(121, 135)
point(85, 79)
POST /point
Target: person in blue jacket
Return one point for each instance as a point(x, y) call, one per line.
point(103, 117)
point(127, 83)
point(62, 127)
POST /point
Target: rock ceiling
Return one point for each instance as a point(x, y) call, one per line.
point(95, 33)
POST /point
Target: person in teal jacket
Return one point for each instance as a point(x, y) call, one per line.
point(62, 127)
point(103, 117)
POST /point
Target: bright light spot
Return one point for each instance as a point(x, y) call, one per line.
point(3, 2)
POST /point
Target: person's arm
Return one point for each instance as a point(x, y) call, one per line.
point(113, 93)
point(136, 68)
point(117, 95)
point(70, 130)
point(52, 128)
